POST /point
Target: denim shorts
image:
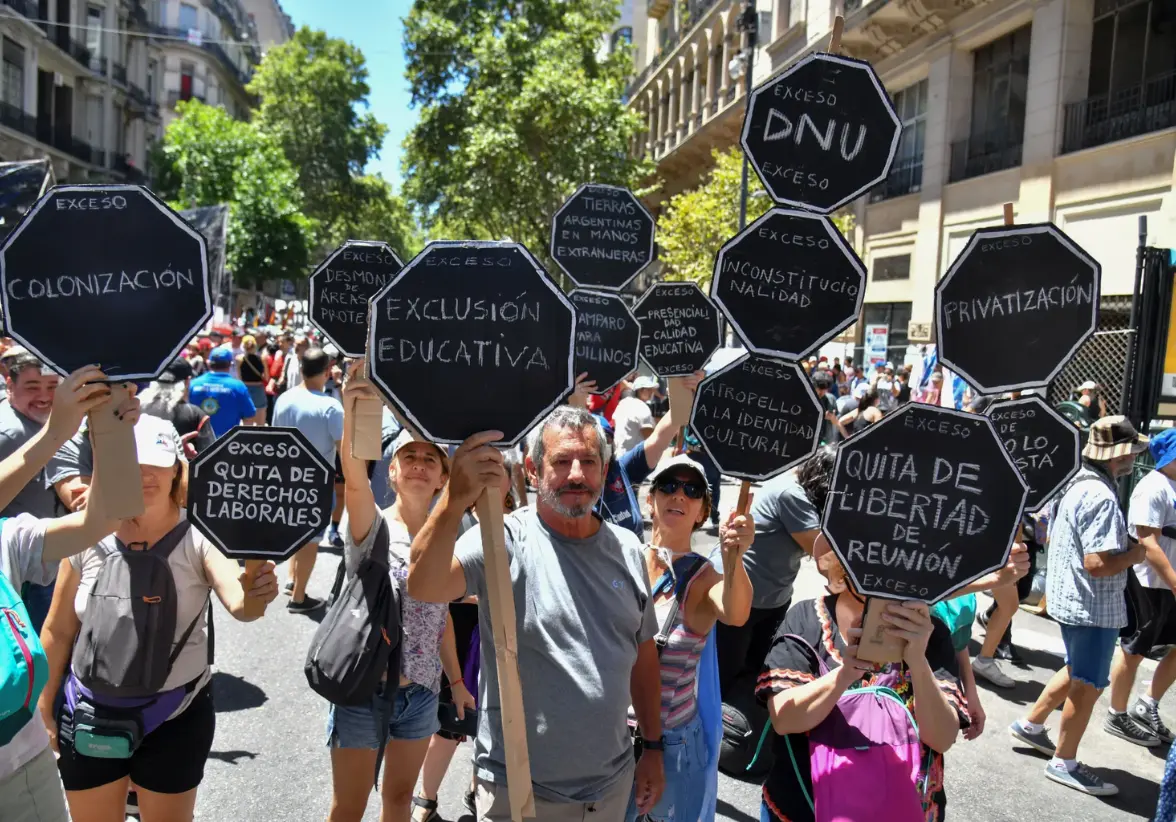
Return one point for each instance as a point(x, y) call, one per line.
point(413, 716)
point(685, 763)
point(1088, 653)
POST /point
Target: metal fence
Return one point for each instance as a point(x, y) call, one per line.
point(1102, 358)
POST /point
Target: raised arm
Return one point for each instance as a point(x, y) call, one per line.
point(670, 424)
point(358, 498)
point(726, 600)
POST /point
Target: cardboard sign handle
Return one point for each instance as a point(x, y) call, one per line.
point(877, 645)
point(115, 456)
point(681, 401)
point(254, 607)
point(367, 425)
point(506, 653)
point(744, 497)
point(835, 36)
point(1008, 213)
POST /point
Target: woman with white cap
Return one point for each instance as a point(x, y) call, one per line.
point(98, 621)
point(418, 471)
point(690, 596)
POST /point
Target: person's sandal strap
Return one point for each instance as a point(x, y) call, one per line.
point(426, 804)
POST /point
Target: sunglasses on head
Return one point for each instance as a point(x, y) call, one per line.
point(692, 488)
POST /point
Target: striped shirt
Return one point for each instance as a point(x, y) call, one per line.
point(679, 663)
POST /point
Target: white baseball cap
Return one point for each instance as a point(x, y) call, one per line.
point(157, 442)
point(644, 382)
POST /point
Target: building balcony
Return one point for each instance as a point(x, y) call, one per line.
point(98, 65)
point(132, 174)
point(215, 49)
point(985, 154)
point(118, 73)
point(1129, 112)
point(75, 49)
point(905, 177)
point(60, 136)
point(139, 14)
point(875, 29)
point(173, 97)
point(26, 7)
point(98, 157)
point(656, 9)
point(18, 119)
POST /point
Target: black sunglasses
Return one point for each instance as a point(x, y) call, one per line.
point(692, 489)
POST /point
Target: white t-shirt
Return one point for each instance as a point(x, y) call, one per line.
point(1153, 504)
point(293, 370)
point(21, 540)
point(630, 417)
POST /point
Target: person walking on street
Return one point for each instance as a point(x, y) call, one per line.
point(1151, 518)
point(252, 372)
point(1089, 559)
point(320, 418)
point(221, 396)
point(633, 419)
point(584, 605)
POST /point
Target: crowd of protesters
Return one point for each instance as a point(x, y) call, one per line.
point(641, 603)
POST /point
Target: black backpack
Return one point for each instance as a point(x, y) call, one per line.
point(743, 752)
point(358, 643)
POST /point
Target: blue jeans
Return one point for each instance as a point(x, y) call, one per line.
point(413, 715)
point(1089, 650)
point(685, 763)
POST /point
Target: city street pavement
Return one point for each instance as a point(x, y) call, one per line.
point(270, 764)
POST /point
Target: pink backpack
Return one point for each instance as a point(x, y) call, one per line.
point(866, 760)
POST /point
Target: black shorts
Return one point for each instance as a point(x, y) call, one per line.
point(1151, 614)
point(170, 760)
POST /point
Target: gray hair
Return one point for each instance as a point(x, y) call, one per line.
point(562, 418)
point(160, 399)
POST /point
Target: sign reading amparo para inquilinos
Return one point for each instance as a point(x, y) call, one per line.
point(260, 493)
point(757, 417)
point(472, 337)
point(341, 287)
point(607, 336)
point(922, 503)
point(105, 274)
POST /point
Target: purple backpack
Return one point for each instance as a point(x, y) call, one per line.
point(865, 757)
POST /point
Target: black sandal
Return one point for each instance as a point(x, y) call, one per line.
point(429, 805)
point(469, 802)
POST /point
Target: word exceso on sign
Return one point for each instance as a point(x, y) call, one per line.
point(757, 417)
point(922, 503)
point(1044, 445)
point(607, 337)
point(821, 133)
point(679, 328)
point(1015, 305)
point(341, 288)
point(788, 283)
point(471, 337)
point(602, 237)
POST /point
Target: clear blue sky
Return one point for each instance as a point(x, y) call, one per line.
point(375, 27)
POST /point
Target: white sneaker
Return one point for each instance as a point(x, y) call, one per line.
point(989, 670)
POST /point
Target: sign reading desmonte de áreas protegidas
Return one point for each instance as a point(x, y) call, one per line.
point(105, 274)
point(602, 237)
point(472, 336)
point(260, 493)
point(821, 133)
point(922, 503)
point(341, 287)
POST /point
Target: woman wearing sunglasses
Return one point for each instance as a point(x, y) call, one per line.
point(690, 596)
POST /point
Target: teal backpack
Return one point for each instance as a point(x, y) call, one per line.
point(24, 670)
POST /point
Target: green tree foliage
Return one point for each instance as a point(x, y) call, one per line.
point(516, 111)
point(696, 223)
point(312, 93)
point(208, 158)
point(381, 216)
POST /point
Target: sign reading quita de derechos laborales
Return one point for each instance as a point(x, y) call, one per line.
point(261, 493)
point(472, 336)
point(923, 502)
point(104, 274)
point(602, 237)
point(341, 288)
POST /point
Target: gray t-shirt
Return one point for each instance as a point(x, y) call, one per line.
point(74, 458)
point(583, 607)
point(15, 430)
point(780, 509)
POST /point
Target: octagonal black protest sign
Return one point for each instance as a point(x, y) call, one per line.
point(679, 328)
point(923, 502)
point(602, 237)
point(341, 288)
point(1015, 306)
point(757, 417)
point(1044, 445)
point(261, 493)
point(821, 133)
point(788, 283)
point(104, 274)
point(472, 336)
point(607, 336)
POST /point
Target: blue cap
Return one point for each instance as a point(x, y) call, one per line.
point(1163, 447)
point(221, 356)
point(604, 423)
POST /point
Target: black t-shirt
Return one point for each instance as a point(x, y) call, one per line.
point(253, 370)
point(904, 391)
point(791, 663)
point(829, 432)
point(188, 418)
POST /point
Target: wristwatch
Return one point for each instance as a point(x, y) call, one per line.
point(658, 744)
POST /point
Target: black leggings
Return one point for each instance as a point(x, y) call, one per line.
point(743, 649)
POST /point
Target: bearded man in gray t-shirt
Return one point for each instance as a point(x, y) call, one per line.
point(585, 625)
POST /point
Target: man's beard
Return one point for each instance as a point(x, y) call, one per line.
point(550, 496)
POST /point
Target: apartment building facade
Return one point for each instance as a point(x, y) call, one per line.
point(274, 26)
point(1066, 108)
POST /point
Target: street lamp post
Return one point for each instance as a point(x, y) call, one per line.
point(749, 23)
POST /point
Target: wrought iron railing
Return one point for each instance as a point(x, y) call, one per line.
point(1128, 112)
point(986, 153)
point(905, 177)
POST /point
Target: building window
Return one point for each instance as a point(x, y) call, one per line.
point(13, 74)
point(164, 15)
point(622, 35)
point(897, 267)
point(188, 19)
point(152, 68)
point(896, 316)
point(187, 70)
point(906, 174)
point(1000, 82)
point(94, 30)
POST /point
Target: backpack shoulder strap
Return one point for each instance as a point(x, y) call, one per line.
point(685, 570)
point(184, 637)
point(166, 544)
